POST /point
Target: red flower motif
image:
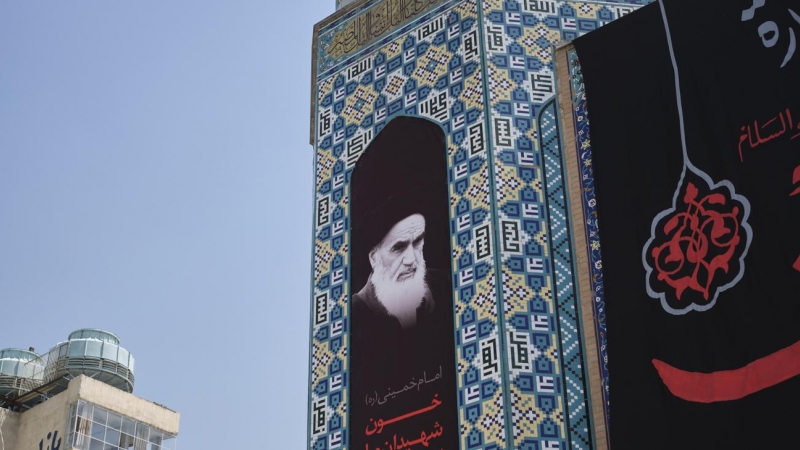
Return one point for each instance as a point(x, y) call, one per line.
point(696, 247)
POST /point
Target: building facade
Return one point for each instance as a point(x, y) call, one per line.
point(528, 368)
point(488, 318)
point(79, 396)
point(91, 415)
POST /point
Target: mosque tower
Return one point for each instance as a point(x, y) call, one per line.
point(438, 171)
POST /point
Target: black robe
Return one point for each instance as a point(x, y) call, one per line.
point(395, 371)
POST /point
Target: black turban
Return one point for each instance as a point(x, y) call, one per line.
point(402, 172)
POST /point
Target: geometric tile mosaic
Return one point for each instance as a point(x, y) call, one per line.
point(548, 395)
point(430, 68)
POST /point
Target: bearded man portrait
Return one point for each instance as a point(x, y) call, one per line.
point(402, 343)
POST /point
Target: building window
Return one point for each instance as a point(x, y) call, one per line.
point(92, 427)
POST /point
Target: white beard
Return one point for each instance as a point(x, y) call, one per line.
point(401, 298)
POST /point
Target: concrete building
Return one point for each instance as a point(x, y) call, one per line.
point(78, 396)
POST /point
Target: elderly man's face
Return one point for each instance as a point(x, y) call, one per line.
point(399, 255)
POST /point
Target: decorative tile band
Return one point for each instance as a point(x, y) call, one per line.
point(581, 121)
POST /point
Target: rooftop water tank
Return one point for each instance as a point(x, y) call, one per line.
point(94, 353)
point(20, 372)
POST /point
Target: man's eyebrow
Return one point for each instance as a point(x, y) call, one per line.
point(420, 237)
point(400, 242)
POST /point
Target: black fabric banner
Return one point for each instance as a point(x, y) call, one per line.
point(700, 242)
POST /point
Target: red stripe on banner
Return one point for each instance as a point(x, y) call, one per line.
point(795, 180)
point(796, 265)
point(727, 385)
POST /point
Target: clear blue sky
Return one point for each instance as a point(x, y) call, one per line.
point(156, 182)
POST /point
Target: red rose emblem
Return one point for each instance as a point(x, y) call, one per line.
point(696, 247)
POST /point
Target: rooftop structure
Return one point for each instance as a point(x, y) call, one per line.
point(18, 372)
point(78, 395)
point(27, 379)
point(94, 353)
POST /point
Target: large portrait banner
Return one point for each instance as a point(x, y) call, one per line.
point(402, 353)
